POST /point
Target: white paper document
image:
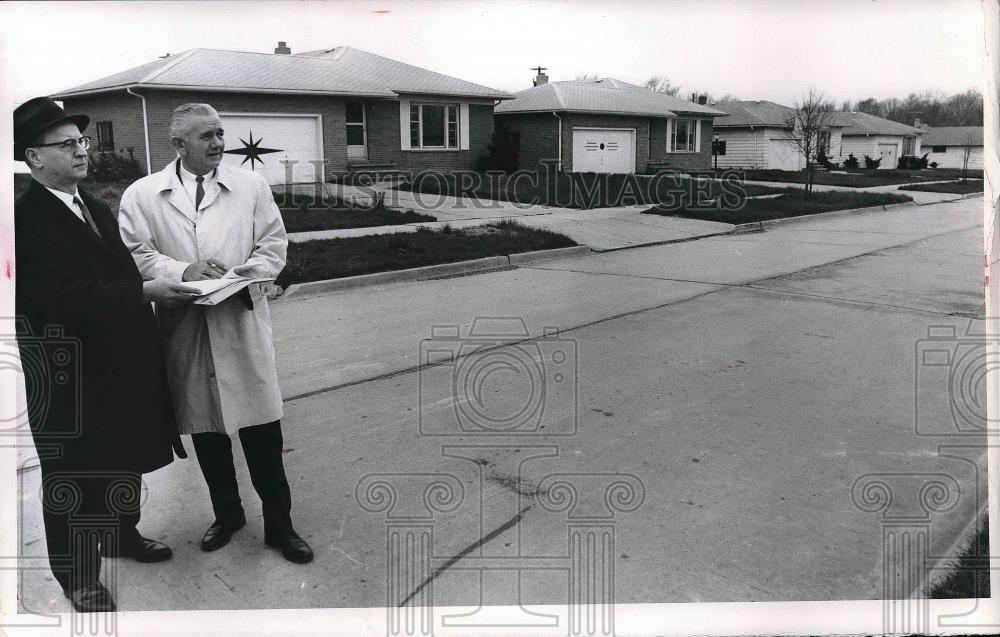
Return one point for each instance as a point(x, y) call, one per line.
point(213, 291)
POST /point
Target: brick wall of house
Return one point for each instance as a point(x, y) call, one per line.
point(538, 133)
point(125, 114)
point(125, 111)
point(384, 141)
point(685, 161)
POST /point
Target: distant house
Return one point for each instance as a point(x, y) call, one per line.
point(349, 109)
point(607, 126)
point(757, 135)
point(865, 134)
point(948, 145)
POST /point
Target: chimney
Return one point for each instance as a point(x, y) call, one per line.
point(282, 49)
point(540, 79)
point(703, 99)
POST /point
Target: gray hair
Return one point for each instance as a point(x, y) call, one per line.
point(179, 118)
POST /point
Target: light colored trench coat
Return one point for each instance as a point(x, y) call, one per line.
point(220, 359)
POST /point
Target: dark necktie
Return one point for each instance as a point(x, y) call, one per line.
point(199, 193)
point(86, 215)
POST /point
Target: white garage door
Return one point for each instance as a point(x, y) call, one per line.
point(263, 142)
point(603, 150)
point(783, 154)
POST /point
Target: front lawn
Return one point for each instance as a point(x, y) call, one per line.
point(956, 187)
point(336, 258)
point(585, 190)
point(858, 178)
point(788, 205)
point(971, 575)
point(308, 219)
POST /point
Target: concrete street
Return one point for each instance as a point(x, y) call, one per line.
point(739, 386)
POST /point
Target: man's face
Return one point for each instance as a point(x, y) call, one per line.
point(201, 146)
point(60, 165)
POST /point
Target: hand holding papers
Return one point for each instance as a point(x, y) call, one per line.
point(213, 291)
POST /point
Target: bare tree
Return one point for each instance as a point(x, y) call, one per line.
point(660, 84)
point(810, 125)
point(969, 140)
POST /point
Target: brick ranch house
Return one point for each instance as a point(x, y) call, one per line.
point(947, 145)
point(353, 110)
point(607, 126)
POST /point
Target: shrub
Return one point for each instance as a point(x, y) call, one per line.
point(912, 162)
point(872, 163)
point(934, 164)
point(851, 161)
point(502, 151)
point(824, 161)
point(109, 166)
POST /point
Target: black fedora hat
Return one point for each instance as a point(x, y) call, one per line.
point(37, 116)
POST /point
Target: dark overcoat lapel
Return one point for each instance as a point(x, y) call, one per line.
point(97, 390)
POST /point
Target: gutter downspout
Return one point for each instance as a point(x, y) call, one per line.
point(145, 129)
point(559, 159)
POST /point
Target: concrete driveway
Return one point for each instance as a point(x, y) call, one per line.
point(715, 420)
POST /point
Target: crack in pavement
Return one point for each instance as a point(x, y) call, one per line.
point(514, 521)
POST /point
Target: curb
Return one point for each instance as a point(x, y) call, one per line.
point(760, 226)
point(312, 288)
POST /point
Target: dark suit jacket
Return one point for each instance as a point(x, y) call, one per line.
point(94, 375)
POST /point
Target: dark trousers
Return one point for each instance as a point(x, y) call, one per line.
point(84, 509)
point(262, 448)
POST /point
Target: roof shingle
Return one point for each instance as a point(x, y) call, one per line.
point(350, 72)
point(606, 95)
point(952, 136)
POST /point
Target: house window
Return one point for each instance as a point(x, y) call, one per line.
point(105, 137)
point(823, 144)
point(939, 149)
point(719, 147)
point(355, 116)
point(682, 136)
point(909, 145)
point(433, 125)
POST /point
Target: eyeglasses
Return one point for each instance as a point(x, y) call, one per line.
point(68, 145)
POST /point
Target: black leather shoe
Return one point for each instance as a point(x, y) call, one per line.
point(140, 549)
point(293, 548)
point(220, 532)
point(92, 598)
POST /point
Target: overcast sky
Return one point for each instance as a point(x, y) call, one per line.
point(754, 49)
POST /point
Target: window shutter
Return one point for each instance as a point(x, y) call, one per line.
point(697, 136)
point(670, 125)
point(463, 125)
point(404, 124)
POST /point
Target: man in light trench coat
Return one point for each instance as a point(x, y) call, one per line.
point(194, 220)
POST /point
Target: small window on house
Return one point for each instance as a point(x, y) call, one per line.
point(355, 117)
point(939, 149)
point(719, 147)
point(909, 145)
point(434, 126)
point(682, 136)
point(105, 137)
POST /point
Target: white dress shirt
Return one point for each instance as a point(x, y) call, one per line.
point(190, 183)
point(68, 200)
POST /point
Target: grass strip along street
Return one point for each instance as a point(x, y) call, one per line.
point(787, 205)
point(859, 178)
point(336, 258)
point(309, 219)
point(955, 187)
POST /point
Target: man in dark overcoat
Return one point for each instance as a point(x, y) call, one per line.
point(99, 407)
